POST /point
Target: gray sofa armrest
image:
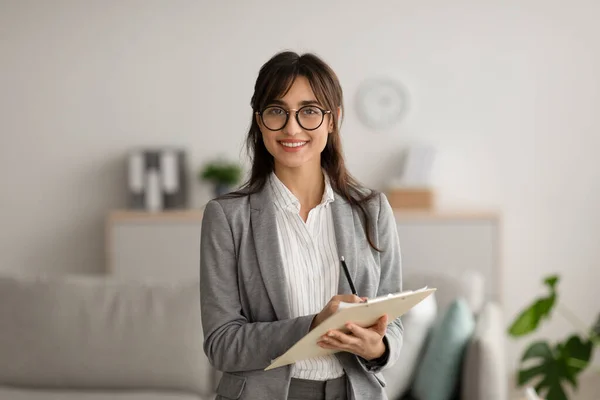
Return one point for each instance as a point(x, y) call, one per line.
point(484, 373)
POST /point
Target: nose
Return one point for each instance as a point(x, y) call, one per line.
point(292, 127)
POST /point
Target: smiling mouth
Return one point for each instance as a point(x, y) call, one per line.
point(293, 144)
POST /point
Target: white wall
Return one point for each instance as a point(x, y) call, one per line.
point(508, 92)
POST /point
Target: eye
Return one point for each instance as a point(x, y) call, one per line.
point(310, 111)
point(273, 111)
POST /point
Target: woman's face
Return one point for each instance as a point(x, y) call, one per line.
point(295, 146)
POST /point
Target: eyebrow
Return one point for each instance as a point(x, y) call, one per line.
point(301, 104)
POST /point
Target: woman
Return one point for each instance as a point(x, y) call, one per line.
point(270, 253)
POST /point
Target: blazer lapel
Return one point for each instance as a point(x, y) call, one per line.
point(343, 222)
point(268, 253)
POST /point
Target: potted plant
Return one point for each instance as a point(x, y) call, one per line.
point(551, 366)
point(223, 174)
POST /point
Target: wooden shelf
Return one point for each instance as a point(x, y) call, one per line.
point(191, 215)
point(165, 245)
point(195, 215)
point(445, 215)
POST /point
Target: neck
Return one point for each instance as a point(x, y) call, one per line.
point(307, 184)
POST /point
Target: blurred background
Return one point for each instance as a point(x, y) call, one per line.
point(507, 94)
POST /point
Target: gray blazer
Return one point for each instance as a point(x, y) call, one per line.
point(245, 310)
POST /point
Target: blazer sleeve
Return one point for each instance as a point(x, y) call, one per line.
point(390, 282)
point(231, 343)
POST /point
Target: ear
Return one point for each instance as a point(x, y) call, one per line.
point(339, 116)
point(258, 120)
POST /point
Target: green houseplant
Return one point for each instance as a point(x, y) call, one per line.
point(549, 367)
point(223, 174)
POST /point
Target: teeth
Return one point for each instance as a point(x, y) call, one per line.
point(295, 144)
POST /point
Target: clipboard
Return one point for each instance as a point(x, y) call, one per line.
point(362, 314)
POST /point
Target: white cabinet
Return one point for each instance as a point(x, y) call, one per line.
point(162, 245)
point(166, 245)
point(452, 244)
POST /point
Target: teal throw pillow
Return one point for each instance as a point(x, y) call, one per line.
point(438, 374)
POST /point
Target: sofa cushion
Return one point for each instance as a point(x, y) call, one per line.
point(45, 394)
point(484, 372)
point(95, 332)
point(417, 324)
point(439, 373)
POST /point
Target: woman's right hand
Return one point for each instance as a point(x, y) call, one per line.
point(331, 307)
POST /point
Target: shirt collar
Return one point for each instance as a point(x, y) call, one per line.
point(285, 199)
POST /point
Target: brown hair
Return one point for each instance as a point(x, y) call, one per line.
point(275, 78)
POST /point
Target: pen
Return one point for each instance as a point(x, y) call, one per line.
point(348, 276)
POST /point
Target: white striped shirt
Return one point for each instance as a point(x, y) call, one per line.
point(311, 265)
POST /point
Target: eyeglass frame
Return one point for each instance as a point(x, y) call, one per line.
point(287, 116)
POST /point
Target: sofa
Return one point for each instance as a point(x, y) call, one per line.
point(454, 342)
point(99, 338)
point(96, 338)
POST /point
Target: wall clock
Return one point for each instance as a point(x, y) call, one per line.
point(381, 102)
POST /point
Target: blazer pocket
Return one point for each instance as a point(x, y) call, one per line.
point(231, 386)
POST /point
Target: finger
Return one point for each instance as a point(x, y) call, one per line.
point(326, 345)
point(383, 321)
point(334, 343)
point(381, 326)
point(347, 298)
point(358, 331)
point(339, 338)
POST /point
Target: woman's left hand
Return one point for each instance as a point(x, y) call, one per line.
point(364, 342)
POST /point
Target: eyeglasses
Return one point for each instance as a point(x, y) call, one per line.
point(274, 118)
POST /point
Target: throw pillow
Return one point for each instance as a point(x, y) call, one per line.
point(438, 375)
point(417, 323)
point(484, 368)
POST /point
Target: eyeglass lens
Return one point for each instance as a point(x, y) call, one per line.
point(308, 117)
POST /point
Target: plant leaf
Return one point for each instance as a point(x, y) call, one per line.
point(596, 328)
point(555, 366)
point(546, 370)
point(228, 173)
point(529, 319)
point(525, 375)
point(551, 281)
point(577, 354)
point(539, 349)
point(555, 392)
